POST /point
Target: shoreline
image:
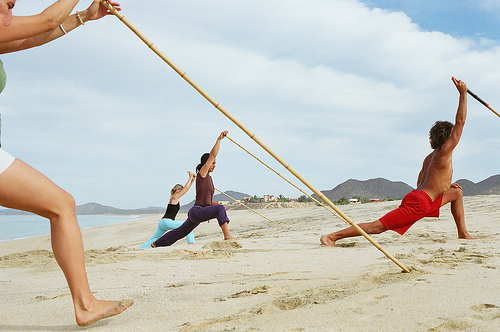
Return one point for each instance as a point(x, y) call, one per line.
point(137, 218)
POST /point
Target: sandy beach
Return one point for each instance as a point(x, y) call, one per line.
point(272, 277)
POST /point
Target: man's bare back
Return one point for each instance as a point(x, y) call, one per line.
point(436, 174)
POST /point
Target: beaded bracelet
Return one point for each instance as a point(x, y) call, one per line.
point(80, 18)
point(62, 29)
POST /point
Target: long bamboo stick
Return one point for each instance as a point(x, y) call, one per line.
point(251, 135)
point(244, 205)
point(280, 175)
point(482, 102)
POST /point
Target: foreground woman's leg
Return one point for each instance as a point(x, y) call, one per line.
point(24, 188)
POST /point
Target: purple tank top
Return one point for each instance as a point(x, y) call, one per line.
point(204, 190)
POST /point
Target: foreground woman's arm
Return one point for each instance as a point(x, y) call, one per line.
point(28, 26)
point(94, 12)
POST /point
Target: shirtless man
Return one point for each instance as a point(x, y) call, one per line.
point(434, 187)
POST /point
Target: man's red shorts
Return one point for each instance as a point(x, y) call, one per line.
point(415, 206)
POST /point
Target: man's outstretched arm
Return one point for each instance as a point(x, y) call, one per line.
point(460, 118)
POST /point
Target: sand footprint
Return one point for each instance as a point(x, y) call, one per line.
point(41, 298)
point(320, 295)
point(486, 311)
point(454, 258)
point(347, 245)
point(255, 291)
point(452, 325)
point(204, 254)
point(253, 235)
point(484, 307)
point(28, 258)
point(221, 245)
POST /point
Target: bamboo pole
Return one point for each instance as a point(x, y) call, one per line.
point(280, 175)
point(244, 205)
point(482, 102)
point(251, 135)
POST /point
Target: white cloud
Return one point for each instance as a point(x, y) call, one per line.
point(490, 4)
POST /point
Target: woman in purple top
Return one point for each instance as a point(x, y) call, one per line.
point(205, 207)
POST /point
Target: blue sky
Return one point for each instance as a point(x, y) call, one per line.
point(340, 89)
point(470, 18)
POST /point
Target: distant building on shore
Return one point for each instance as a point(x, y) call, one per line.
point(270, 198)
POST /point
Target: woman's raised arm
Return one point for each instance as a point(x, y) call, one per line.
point(213, 154)
point(187, 186)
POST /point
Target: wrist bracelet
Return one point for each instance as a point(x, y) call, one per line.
point(62, 29)
point(80, 18)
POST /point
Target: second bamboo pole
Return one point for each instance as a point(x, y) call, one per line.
point(280, 175)
point(244, 205)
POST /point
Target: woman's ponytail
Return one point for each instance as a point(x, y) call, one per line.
point(203, 161)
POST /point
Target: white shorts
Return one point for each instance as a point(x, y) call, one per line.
point(5, 160)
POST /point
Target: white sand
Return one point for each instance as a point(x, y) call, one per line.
point(274, 277)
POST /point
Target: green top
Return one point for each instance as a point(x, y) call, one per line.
point(3, 77)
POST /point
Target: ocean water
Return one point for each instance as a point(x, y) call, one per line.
point(19, 227)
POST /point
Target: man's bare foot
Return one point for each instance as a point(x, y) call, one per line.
point(100, 310)
point(326, 241)
point(229, 237)
point(465, 236)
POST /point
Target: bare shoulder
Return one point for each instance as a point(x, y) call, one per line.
point(441, 157)
point(428, 159)
point(174, 199)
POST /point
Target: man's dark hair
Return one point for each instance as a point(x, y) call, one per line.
point(440, 133)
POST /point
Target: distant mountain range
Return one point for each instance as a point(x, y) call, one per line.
point(385, 189)
point(490, 186)
point(374, 188)
point(97, 209)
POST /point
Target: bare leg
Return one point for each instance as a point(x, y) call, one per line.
point(455, 197)
point(329, 240)
point(225, 231)
point(24, 188)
